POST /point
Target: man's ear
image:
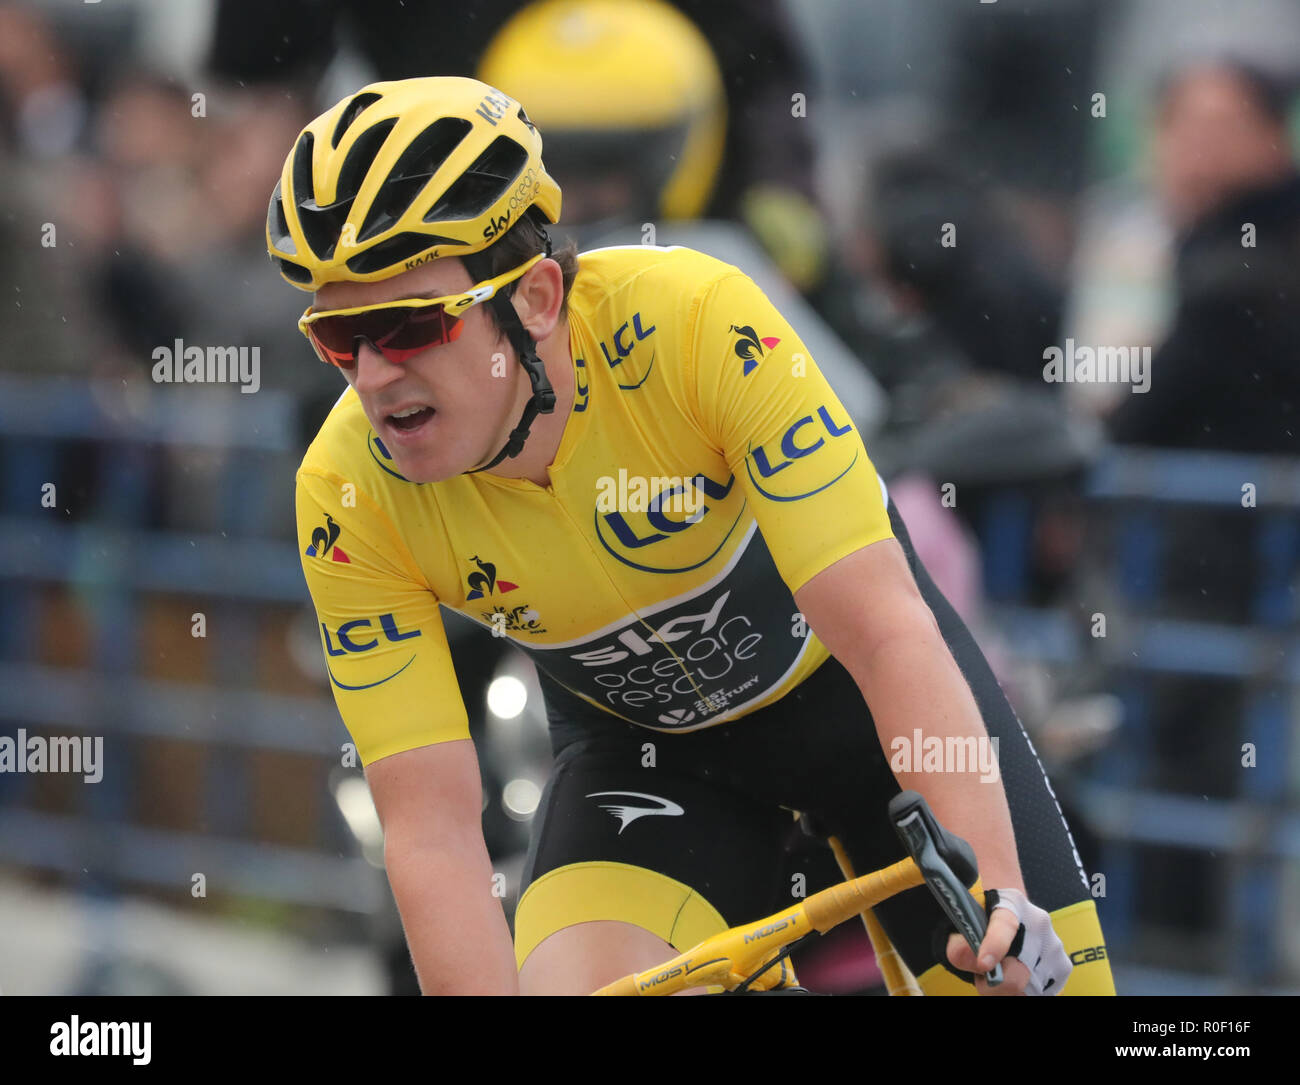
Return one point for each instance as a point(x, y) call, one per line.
point(538, 298)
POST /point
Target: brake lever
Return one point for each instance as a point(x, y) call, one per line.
point(914, 823)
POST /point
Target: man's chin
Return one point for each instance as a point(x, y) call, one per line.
point(417, 464)
point(421, 472)
point(419, 468)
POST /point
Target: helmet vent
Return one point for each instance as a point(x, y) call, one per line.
point(417, 164)
point(483, 183)
point(321, 225)
point(354, 109)
point(396, 249)
point(295, 272)
point(276, 226)
point(359, 160)
point(302, 184)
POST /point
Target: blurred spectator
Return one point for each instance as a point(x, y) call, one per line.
point(1122, 279)
point(45, 111)
point(150, 151)
point(946, 247)
point(1226, 377)
point(963, 309)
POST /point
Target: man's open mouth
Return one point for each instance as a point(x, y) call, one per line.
point(410, 419)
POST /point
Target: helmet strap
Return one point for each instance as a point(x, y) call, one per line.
point(542, 400)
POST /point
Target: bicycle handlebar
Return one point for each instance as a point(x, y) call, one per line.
point(734, 955)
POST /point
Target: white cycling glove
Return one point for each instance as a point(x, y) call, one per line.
point(1035, 944)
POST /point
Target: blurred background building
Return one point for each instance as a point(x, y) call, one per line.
point(945, 190)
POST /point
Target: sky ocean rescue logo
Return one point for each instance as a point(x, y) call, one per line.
point(694, 660)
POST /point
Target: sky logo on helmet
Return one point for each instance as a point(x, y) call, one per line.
point(322, 542)
point(749, 347)
point(484, 581)
point(496, 225)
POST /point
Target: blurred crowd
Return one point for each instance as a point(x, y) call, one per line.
point(953, 192)
point(138, 192)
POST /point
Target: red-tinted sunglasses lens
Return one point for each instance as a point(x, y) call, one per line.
point(399, 334)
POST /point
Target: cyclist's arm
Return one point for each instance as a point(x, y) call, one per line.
point(391, 674)
point(868, 611)
point(430, 805)
point(821, 508)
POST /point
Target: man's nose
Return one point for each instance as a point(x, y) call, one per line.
point(374, 371)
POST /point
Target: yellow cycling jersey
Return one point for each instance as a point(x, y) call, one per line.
point(705, 473)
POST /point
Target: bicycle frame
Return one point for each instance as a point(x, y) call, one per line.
point(746, 954)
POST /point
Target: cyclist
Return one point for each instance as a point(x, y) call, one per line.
point(626, 463)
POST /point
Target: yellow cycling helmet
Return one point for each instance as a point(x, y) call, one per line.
point(627, 85)
point(401, 173)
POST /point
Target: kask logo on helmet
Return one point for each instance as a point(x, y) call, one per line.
point(417, 260)
point(493, 107)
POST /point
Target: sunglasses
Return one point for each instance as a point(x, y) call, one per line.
point(399, 330)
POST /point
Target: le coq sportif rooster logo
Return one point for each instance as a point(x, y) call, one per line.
point(323, 539)
point(484, 582)
point(749, 347)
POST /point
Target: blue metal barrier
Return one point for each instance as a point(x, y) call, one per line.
point(1135, 498)
point(243, 570)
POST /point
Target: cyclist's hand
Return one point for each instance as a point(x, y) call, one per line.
point(1001, 932)
point(1021, 936)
